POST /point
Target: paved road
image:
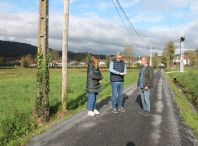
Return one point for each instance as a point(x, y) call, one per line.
point(163, 127)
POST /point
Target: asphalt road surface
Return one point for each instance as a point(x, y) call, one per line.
point(163, 127)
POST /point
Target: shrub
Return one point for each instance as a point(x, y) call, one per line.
point(139, 65)
point(19, 124)
point(25, 64)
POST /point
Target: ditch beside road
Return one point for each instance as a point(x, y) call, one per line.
point(163, 127)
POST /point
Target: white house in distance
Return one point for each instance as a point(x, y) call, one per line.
point(102, 63)
point(176, 60)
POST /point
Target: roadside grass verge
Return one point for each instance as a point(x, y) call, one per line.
point(18, 93)
point(190, 117)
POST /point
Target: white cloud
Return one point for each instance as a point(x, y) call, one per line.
point(127, 4)
point(147, 18)
point(90, 14)
point(95, 35)
point(103, 5)
point(194, 9)
point(6, 6)
point(85, 5)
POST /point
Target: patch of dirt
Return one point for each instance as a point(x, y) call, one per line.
point(6, 73)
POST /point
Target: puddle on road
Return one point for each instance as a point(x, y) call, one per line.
point(191, 104)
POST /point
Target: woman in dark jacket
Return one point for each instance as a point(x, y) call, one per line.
point(94, 78)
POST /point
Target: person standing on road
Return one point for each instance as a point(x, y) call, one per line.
point(145, 83)
point(118, 70)
point(94, 78)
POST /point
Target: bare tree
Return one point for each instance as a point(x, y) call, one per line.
point(129, 53)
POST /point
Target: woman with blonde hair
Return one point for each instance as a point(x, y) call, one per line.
point(94, 78)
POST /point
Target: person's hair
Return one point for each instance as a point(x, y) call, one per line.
point(118, 54)
point(146, 59)
point(95, 60)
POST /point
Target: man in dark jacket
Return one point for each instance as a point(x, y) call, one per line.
point(118, 70)
point(145, 83)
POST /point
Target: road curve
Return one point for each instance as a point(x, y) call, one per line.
point(163, 127)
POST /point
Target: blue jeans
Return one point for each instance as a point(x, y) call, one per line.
point(92, 99)
point(145, 99)
point(117, 87)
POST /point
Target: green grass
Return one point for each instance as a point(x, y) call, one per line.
point(188, 83)
point(18, 93)
point(190, 117)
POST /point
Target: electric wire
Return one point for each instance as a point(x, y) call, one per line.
point(134, 28)
point(130, 22)
point(127, 28)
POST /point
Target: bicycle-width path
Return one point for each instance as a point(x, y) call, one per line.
point(163, 127)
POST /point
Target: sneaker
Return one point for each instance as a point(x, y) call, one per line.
point(142, 112)
point(147, 113)
point(90, 113)
point(121, 109)
point(114, 111)
point(96, 112)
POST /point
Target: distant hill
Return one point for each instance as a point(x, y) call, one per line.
point(15, 50)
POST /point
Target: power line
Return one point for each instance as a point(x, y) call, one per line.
point(127, 28)
point(134, 28)
point(130, 22)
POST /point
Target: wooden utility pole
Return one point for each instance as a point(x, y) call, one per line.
point(43, 41)
point(64, 54)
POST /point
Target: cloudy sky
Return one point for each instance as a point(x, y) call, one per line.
point(95, 25)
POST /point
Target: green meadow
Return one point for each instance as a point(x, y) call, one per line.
point(18, 94)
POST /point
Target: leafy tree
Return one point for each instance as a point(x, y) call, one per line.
point(129, 53)
point(164, 58)
point(107, 59)
point(88, 58)
point(25, 64)
point(155, 60)
point(169, 50)
point(1, 61)
point(192, 56)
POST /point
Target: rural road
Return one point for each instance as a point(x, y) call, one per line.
point(163, 127)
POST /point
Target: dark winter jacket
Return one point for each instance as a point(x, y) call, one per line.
point(93, 77)
point(148, 77)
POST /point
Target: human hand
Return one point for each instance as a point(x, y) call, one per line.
point(100, 81)
point(137, 86)
point(146, 88)
point(122, 74)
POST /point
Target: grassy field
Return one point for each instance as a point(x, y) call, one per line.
point(188, 83)
point(18, 93)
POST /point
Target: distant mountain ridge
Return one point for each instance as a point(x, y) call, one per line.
point(16, 50)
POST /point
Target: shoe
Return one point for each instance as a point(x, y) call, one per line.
point(121, 109)
point(142, 112)
point(114, 111)
point(147, 113)
point(96, 112)
point(90, 113)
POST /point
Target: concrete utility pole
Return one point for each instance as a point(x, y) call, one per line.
point(182, 49)
point(64, 55)
point(43, 40)
point(151, 54)
point(43, 26)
